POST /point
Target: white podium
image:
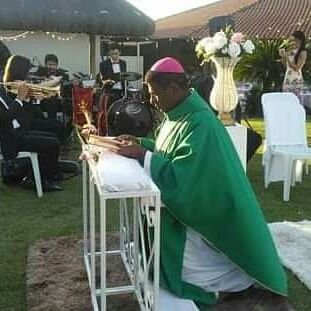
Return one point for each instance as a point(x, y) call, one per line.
point(139, 248)
point(238, 134)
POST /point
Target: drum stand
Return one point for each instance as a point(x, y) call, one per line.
point(125, 88)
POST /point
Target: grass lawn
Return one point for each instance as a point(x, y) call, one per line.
point(25, 219)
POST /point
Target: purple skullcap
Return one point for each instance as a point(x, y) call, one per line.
point(167, 65)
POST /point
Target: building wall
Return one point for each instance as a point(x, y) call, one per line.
point(73, 54)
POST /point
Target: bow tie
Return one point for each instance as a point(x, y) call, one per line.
point(115, 62)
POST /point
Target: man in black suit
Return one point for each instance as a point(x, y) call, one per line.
point(110, 70)
point(14, 137)
point(52, 105)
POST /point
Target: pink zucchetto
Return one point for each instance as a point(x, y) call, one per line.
point(167, 65)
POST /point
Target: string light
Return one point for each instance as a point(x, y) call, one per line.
point(14, 37)
point(59, 36)
point(11, 36)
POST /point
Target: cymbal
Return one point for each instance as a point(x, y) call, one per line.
point(130, 76)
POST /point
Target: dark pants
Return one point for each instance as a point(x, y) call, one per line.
point(51, 106)
point(48, 126)
point(47, 146)
point(254, 141)
point(252, 299)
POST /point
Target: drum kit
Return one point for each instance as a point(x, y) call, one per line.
point(130, 114)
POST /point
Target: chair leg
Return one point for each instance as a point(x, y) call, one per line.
point(288, 177)
point(307, 167)
point(267, 169)
point(299, 170)
point(294, 173)
point(36, 173)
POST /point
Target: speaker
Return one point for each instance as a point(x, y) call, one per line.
point(217, 23)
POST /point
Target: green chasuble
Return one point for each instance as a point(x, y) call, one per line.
point(203, 186)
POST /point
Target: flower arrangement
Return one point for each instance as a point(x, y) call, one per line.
point(224, 44)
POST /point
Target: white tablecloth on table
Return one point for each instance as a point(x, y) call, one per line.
point(118, 173)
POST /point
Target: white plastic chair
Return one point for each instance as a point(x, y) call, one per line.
point(35, 168)
point(286, 139)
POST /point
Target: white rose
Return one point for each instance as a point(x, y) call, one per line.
point(234, 50)
point(248, 46)
point(220, 39)
point(209, 46)
point(200, 45)
point(224, 50)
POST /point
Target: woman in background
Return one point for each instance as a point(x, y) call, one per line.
point(294, 60)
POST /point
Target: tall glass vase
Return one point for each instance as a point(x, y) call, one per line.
point(224, 96)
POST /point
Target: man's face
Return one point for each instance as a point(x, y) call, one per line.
point(161, 98)
point(114, 54)
point(51, 66)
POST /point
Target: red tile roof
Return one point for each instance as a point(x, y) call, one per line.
point(263, 18)
point(274, 18)
point(270, 19)
point(186, 23)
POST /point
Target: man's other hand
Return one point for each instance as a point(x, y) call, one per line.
point(87, 130)
point(22, 91)
point(134, 152)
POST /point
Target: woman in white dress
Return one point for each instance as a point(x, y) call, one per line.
point(294, 60)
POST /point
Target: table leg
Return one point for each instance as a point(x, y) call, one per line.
point(156, 271)
point(85, 209)
point(103, 264)
point(92, 236)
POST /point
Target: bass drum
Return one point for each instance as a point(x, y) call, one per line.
point(129, 117)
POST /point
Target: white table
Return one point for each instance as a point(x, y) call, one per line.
point(238, 135)
point(133, 238)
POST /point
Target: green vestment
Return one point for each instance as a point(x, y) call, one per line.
point(203, 186)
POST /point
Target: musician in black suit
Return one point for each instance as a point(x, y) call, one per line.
point(110, 70)
point(16, 117)
point(51, 69)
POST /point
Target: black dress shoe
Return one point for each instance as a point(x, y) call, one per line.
point(59, 176)
point(28, 183)
point(49, 186)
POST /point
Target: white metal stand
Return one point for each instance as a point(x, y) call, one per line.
point(139, 233)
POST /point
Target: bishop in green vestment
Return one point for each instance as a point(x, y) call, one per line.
point(207, 196)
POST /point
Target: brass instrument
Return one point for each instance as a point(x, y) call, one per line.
point(34, 90)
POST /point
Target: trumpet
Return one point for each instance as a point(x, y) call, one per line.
point(34, 90)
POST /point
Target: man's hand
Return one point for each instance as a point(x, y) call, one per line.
point(22, 91)
point(127, 140)
point(87, 130)
point(108, 82)
point(134, 152)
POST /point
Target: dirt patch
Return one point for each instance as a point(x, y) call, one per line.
point(56, 278)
